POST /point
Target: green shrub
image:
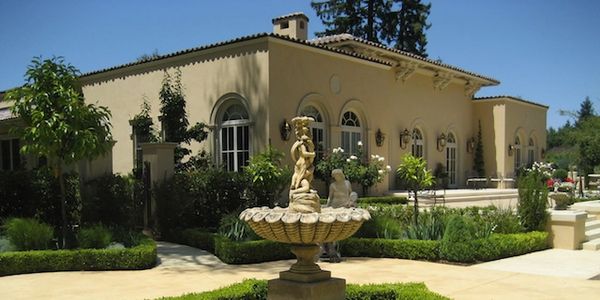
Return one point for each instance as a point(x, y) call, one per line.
point(431, 226)
point(380, 227)
point(109, 200)
point(266, 177)
point(95, 237)
point(28, 234)
point(142, 256)
point(198, 238)
point(560, 174)
point(457, 242)
point(231, 252)
point(405, 249)
point(235, 229)
point(391, 200)
point(257, 289)
point(533, 198)
point(506, 245)
point(5, 245)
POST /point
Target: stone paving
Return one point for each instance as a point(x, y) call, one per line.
point(184, 269)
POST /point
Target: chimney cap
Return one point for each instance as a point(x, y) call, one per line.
point(290, 16)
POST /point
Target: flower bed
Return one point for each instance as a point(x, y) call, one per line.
point(142, 256)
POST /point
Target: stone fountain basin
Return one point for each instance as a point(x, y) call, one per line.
point(285, 226)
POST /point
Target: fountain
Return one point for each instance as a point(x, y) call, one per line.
point(304, 225)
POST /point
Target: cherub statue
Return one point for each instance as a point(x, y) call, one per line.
point(340, 195)
point(302, 198)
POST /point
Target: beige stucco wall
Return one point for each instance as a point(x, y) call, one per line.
point(208, 76)
point(301, 76)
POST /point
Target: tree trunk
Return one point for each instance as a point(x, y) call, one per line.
point(63, 204)
point(370, 20)
point(416, 209)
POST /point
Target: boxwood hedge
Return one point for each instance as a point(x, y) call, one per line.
point(257, 289)
point(142, 256)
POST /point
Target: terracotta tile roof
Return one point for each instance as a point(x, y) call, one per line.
point(500, 97)
point(237, 40)
point(348, 37)
point(289, 16)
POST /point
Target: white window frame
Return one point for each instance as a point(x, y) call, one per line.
point(452, 160)
point(233, 126)
point(418, 145)
point(318, 126)
point(518, 154)
point(351, 134)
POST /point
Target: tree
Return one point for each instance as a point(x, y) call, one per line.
point(413, 170)
point(399, 23)
point(478, 162)
point(588, 142)
point(58, 124)
point(586, 110)
point(174, 118)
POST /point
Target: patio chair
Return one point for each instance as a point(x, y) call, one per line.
point(476, 182)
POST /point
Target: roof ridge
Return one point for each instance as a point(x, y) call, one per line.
point(509, 97)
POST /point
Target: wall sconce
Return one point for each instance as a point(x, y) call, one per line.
point(543, 153)
point(441, 142)
point(510, 150)
point(404, 138)
point(379, 137)
point(285, 130)
point(470, 145)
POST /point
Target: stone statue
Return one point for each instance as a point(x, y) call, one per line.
point(340, 191)
point(340, 195)
point(302, 198)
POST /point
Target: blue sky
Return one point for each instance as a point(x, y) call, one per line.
point(546, 51)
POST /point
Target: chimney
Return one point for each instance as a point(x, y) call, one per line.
point(293, 25)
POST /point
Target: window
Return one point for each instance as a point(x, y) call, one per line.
point(10, 158)
point(451, 146)
point(317, 130)
point(351, 132)
point(301, 24)
point(418, 144)
point(235, 138)
point(517, 149)
point(531, 152)
point(285, 25)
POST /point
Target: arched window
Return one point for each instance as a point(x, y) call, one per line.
point(451, 164)
point(418, 143)
point(351, 132)
point(531, 152)
point(234, 140)
point(317, 129)
point(517, 149)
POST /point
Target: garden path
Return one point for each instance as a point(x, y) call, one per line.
point(184, 269)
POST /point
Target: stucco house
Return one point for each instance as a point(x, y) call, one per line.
point(394, 102)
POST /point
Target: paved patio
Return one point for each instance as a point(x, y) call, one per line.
point(184, 269)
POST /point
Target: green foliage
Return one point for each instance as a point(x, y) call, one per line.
point(142, 256)
point(58, 124)
point(457, 242)
point(195, 237)
point(399, 23)
point(257, 290)
point(94, 237)
point(380, 227)
point(231, 252)
point(199, 198)
point(28, 234)
point(5, 245)
point(390, 200)
point(109, 200)
point(533, 198)
point(588, 143)
point(586, 110)
point(499, 246)
point(478, 161)
point(413, 171)
point(404, 249)
point(235, 229)
point(174, 118)
point(431, 226)
point(330, 161)
point(142, 124)
point(266, 177)
point(560, 174)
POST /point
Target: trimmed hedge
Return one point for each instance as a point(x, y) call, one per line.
point(231, 252)
point(142, 256)
point(391, 200)
point(499, 246)
point(257, 289)
point(404, 249)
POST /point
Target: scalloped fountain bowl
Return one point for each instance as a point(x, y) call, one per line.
point(282, 225)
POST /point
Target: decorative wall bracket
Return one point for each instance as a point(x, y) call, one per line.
point(405, 70)
point(471, 88)
point(441, 80)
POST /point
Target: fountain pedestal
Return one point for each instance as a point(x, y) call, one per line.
point(330, 289)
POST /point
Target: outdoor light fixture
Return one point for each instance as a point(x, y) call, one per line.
point(404, 138)
point(441, 142)
point(470, 145)
point(510, 150)
point(379, 137)
point(543, 153)
point(285, 130)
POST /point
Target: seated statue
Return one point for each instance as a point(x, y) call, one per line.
point(340, 195)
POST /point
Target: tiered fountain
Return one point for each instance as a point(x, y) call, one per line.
point(305, 226)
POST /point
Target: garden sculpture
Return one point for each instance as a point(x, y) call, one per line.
point(340, 195)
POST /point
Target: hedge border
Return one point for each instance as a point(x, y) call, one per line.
point(142, 256)
point(257, 289)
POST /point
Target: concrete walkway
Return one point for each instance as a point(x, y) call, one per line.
point(184, 270)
